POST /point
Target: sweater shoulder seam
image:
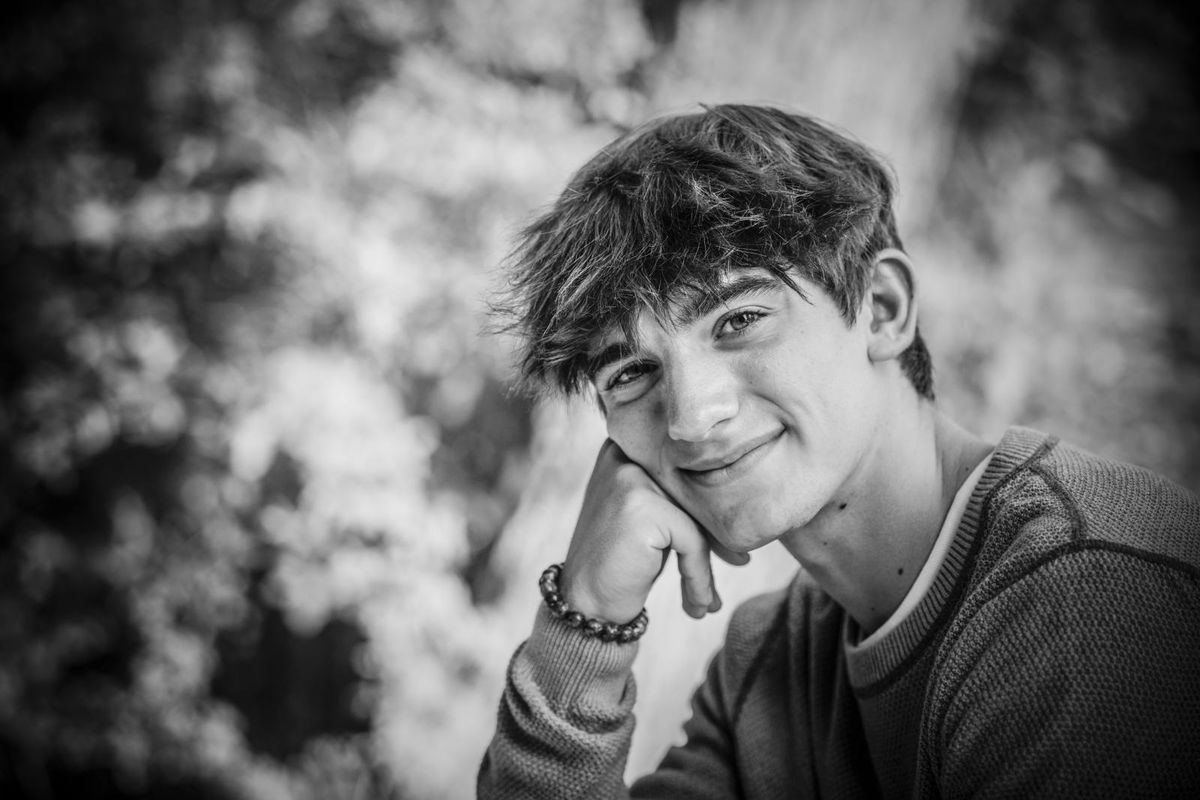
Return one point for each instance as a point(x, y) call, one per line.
point(1078, 523)
point(773, 635)
point(1080, 546)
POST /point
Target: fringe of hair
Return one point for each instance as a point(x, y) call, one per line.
point(662, 212)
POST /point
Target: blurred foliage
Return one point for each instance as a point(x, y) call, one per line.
point(243, 400)
point(259, 471)
point(1074, 177)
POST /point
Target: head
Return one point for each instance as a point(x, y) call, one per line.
point(664, 211)
point(732, 284)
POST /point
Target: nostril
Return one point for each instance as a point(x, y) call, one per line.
point(696, 419)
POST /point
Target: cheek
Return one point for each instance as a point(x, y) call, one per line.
point(787, 380)
point(775, 377)
point(633, 430)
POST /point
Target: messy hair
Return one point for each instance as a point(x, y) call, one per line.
point(664, 211)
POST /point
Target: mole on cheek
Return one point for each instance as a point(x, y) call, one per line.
point(842, 507)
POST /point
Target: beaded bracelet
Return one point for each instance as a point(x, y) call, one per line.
point(605, 631)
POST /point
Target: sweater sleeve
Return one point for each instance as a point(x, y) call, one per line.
point(566, 720)
point(1081, 678)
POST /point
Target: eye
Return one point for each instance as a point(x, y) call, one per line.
point(628, 374)
point(739, 321)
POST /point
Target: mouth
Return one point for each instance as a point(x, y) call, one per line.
point(717, 470)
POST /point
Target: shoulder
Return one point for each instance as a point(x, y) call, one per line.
point(780, 614)
point(1079, 613)
point(1124, 504)
point(1088, 660)
point(764, 629)
point(1070, 540)
point(754, 625)
point(1049, 500)
point(1063, 495)
point(1067, 608)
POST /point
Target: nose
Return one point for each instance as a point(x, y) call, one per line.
point(700, 396)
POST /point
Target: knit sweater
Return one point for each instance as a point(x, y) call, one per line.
point(1057, 654)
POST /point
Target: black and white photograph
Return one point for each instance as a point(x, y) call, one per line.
point(569, 399)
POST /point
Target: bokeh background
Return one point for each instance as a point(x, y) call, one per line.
point(271, 516)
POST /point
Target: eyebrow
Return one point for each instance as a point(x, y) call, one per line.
point(614, 351)
point(693, 308)
point(701, 304)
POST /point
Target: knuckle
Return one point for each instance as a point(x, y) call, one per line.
point(629, 477)
point(635, 491)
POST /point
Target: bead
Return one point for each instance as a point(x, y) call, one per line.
point(606, 631)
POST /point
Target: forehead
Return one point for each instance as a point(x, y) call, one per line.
point(691, 303)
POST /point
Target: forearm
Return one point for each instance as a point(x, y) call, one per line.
point(565, 720)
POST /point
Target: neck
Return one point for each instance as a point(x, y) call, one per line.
point(867, 554)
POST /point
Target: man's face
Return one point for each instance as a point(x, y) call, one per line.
point(753, 414)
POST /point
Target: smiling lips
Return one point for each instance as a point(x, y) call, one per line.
point(737, 462)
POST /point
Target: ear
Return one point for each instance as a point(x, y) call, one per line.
point(891, 302)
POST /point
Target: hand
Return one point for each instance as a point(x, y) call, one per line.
point(626, 529)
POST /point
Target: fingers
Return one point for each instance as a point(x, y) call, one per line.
point(695, 578)
point(721, 551)
point(695, 569)
point(673, 529)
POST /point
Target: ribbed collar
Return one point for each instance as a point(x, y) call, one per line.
point(874, 667)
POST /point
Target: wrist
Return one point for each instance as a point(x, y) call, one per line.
point(574, 671)
point(588, 625)
point(582, 595)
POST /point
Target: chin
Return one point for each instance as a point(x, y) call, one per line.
point(769, 525)
point(745, 532)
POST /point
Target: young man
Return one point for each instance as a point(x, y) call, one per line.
point(973, 619)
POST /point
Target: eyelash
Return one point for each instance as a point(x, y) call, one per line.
point(748, 316)
point(614, 383)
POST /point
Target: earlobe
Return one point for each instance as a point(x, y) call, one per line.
point(892, 304)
